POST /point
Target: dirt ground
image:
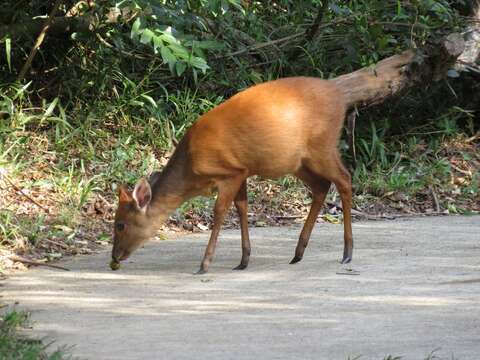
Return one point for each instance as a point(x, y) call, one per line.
point(414, 290)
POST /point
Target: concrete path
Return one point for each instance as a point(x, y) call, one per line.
point(418, 290)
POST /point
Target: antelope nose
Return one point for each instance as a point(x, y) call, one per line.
point(116, 253)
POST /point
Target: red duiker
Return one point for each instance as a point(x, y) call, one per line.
point(287, 126)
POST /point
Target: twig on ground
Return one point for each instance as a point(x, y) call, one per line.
point(286, 217)
point(464, 172)
point(105, 201)
point(473, 138)
point(63, 246)
point(36, 263)
point(16, 188)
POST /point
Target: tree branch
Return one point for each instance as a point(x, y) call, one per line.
point(313, 30)
point(39, 41)
point(59, 25)
point(263, 44)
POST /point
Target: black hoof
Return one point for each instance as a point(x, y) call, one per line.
point(240, 267)
point(200, 272)
point(346, 260)
point(295, 259)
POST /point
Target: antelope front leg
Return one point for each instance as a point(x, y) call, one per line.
point(227, 189)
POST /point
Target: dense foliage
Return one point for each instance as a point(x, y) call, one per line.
point(134, 54)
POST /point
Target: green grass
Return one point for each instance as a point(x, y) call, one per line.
point(71, 160)
point(411, 163)
point(14, 346)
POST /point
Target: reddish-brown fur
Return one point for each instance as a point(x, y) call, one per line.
point(287, 126)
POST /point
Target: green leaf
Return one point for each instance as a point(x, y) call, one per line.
point(49, 111)
point(179, 51)
point(195, 76)
point(399, 8)
point(104, 237)
point(199, 52)
point(146, 37)
point(332, 219)
point(199, 63)
point(135, 28)
point(209, 45)
point(136, 103)
point(50, 108)
point(149, 99)
point(20, 92)
point(168, 37)
point(238, 5)
point(168, 57)
point(180, 67)
point(59, 120)
point(8, 50)
point(256, 77)
point(157, 43)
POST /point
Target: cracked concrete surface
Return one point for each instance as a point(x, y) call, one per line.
point(418, 290)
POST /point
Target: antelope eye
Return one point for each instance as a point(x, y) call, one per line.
point(120, 226)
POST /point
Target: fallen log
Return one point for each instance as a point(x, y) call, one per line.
point(373, 85)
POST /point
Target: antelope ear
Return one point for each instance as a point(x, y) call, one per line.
point(142, 194)
point(124, 194)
